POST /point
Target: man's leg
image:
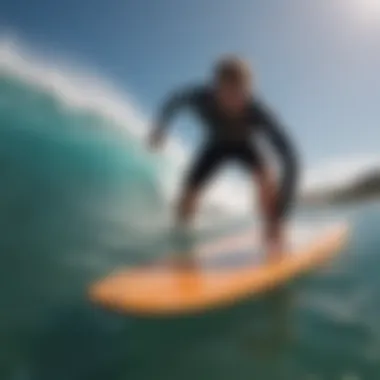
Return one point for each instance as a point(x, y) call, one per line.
point(201, 171)
point(187, 206)
point(265, 180)
point(273, 228)
point(183, 240)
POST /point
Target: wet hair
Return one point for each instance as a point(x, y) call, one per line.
point(232, 69)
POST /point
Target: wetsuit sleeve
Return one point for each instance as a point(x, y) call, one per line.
point(174, 103)
point(279, 139)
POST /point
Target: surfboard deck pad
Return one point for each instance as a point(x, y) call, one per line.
point(221, 273)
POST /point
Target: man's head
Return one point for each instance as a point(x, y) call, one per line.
point(233, 82)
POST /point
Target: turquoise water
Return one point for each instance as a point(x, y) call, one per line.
point(78, 199)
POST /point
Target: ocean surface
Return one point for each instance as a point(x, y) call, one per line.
point(80, 196)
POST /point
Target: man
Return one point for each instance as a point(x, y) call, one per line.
point(233, 119)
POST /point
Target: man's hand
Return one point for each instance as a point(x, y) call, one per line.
point(156, 139)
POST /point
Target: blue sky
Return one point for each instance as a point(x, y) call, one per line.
point(316, 61)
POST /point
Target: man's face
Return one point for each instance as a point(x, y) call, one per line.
point(233, 97)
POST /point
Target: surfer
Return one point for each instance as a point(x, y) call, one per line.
point(233, 118)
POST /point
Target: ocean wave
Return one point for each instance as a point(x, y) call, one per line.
point(80, 99)
point(51, 96)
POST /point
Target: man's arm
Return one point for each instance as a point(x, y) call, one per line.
point(174, 103)
point(281, 142)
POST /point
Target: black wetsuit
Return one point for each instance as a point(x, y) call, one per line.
point(233, 139)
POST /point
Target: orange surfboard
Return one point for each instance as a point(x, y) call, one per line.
point(223, 272)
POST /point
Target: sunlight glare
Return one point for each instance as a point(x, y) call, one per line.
point(366, 10)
